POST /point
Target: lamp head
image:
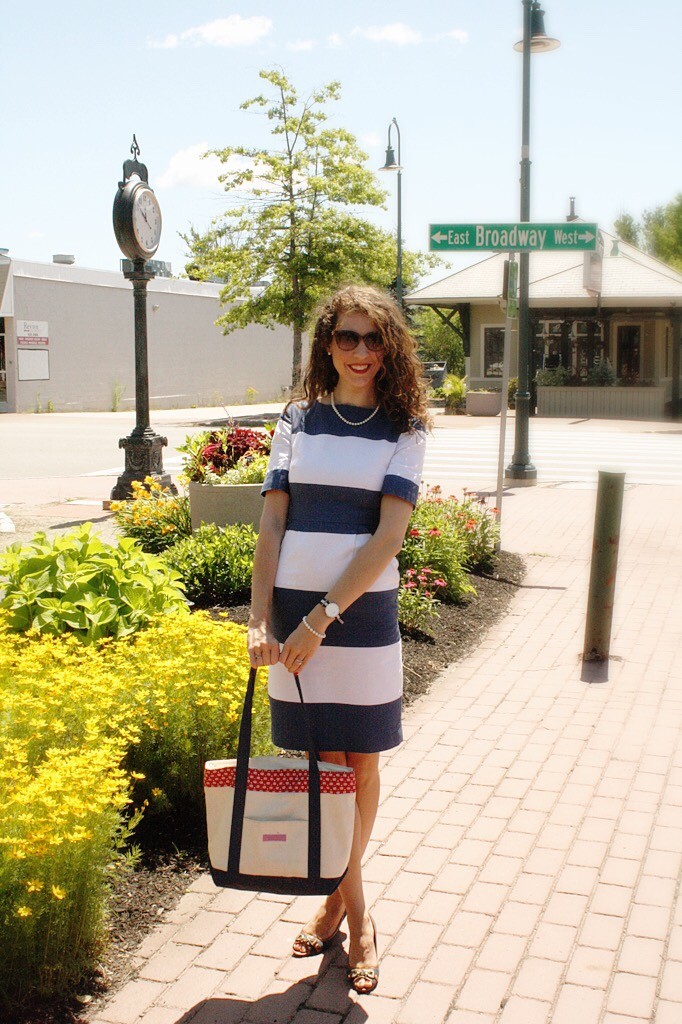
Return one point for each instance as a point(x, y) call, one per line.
point(540, 42)
point(391, 162)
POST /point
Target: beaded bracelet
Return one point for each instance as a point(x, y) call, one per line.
point(307, 625)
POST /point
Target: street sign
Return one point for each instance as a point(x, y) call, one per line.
point(520, 237)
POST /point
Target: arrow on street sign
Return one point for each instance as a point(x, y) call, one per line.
point(518, 237)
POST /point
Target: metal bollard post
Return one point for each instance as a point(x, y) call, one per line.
point(604, 565)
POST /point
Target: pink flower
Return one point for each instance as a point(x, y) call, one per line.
point(410, 573)
point(435, 532)
point(410, 585)
point(439, 583)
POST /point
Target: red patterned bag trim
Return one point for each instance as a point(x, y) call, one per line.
point(281, 780)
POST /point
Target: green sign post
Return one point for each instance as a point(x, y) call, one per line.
point(520, 237)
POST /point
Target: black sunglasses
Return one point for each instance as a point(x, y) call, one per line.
point(348, 340)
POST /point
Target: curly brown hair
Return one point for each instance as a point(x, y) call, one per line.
point(399, 385)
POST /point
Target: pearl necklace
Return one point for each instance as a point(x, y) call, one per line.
point(352, 423)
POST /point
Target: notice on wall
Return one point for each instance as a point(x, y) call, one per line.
point(32, 334)
point(33, 364)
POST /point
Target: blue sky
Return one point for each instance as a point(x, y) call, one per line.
point(79, 78)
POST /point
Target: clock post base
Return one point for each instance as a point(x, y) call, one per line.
point(143, 458)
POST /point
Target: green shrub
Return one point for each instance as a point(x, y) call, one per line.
point(455, 391)
point(80, 584)
point(450, 536)
point(554, 377)
point(433, 540)
point(418, 598)
point(82, 728)
point(154, 517)
point(601, 375)
point(215, 564)
point(511, 392)
point(250, 469)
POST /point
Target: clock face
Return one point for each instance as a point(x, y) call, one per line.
point(146, 220)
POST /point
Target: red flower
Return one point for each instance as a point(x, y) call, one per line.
point(435, 532)
point(414, 533)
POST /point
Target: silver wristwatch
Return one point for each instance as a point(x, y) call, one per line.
point(331, 609)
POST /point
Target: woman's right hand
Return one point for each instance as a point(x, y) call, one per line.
point(262, 647)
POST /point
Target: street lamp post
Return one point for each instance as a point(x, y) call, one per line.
point(394, 165)
point(535, 40)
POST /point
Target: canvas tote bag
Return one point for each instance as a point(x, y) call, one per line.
point(278, 824)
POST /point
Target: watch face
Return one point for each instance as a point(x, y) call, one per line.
point(146, 220)
point(331, 609)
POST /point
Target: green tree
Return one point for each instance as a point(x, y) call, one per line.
point(660, 231)
point(437, 340)
point(292, 222)
point(627, 228)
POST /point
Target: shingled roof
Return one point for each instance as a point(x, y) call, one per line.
point(629, 277)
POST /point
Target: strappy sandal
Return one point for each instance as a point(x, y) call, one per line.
point(314, 945)
point(357, 975)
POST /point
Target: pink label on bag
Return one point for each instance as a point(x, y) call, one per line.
point(276, 837)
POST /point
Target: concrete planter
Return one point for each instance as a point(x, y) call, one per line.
point(484, 403)
point(226, 504)
point(645, 403)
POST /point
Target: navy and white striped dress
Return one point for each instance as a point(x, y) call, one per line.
point(335, 475)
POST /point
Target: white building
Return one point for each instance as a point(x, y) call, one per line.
point(67, 343)
point(622, 305)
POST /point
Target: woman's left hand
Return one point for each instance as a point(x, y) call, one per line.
point(298, 648)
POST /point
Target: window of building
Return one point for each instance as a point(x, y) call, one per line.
point(629, 336)
point(493, 351)
point(575, 344)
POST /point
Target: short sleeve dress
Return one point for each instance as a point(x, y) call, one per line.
point(335, 475)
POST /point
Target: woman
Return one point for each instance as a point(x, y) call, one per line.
point(343, 478)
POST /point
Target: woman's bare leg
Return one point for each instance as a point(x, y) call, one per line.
point(362, 950)
point(350, 895)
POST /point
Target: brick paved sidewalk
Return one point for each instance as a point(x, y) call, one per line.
point(525, 864)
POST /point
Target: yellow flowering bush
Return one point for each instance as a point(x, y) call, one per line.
point(195, 674)
point(86, 734)
point(154, 516)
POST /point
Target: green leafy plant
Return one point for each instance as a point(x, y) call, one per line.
point(450, 536)
point(418, 598)
point(154, 517)
point(511, 392)
point(432, 540)
point(251, 469)
point(210, 454)
point(455, 390)
point(601, 375)
point(80, 584)
point(215, 564)
point(555, 377)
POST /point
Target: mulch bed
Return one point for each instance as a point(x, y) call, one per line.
point(165, 871)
